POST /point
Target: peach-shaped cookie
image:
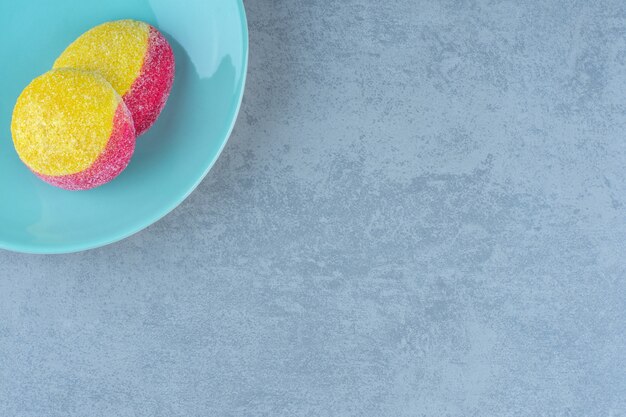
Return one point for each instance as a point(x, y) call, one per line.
point(134, 57)
point(72, 129)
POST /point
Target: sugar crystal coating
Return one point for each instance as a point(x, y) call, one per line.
point(115, 49)
point(72, 129)
point(134, 57)
point(110, 163)
point(151, 89)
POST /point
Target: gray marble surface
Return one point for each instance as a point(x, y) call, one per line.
point(421, 212)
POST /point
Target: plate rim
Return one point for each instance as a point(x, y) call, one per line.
point(159, 214)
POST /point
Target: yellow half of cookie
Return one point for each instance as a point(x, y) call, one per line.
point(114, 49)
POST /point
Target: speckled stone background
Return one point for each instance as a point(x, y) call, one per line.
point(421, 212)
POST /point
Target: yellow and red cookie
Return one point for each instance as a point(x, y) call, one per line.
point(72, 129)
point(134, 57)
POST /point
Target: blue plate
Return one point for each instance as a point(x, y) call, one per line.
point(210, 42)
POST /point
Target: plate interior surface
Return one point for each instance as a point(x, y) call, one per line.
point(210, 42)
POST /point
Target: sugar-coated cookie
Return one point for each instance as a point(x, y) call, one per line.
point(134, 57)
point(72, 129)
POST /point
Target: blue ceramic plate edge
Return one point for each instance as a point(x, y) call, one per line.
point(61, 249)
